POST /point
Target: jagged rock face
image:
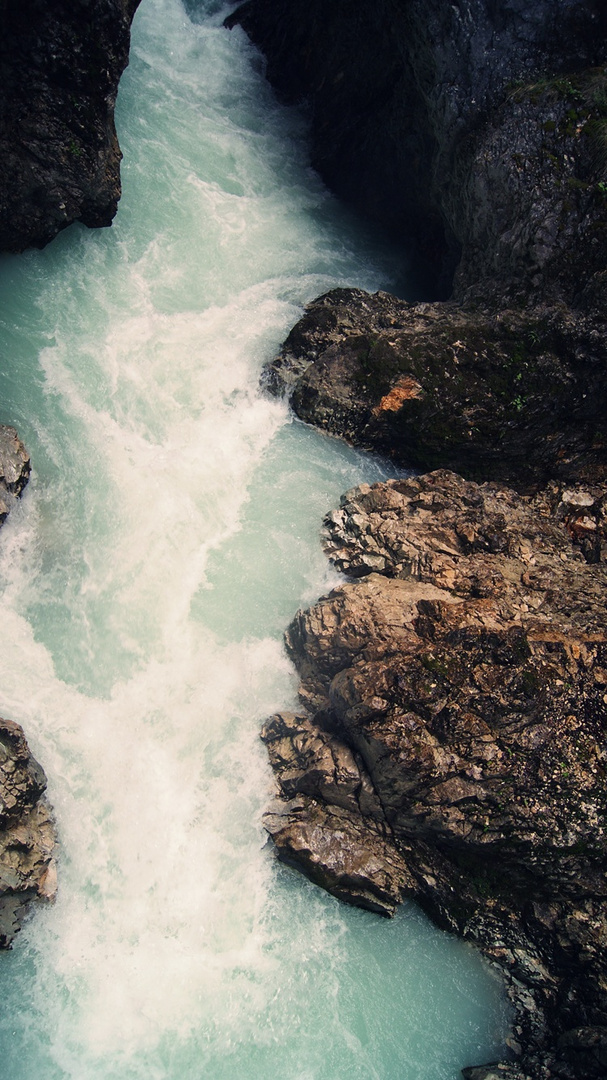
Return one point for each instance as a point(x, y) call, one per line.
point(60, 64)
point(403, 97)
point(27, 832)
point(519, 395)
point(481, 130)
point(14, 469)
point(463, 680)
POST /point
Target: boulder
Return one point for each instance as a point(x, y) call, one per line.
point(27, 833)
point(454, 745)
point(14, 469)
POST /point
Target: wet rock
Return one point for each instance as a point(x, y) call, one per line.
point(349, 858)
point(60, 64)
point(478, 135)
point(27, 833)
point(14, 469)
point(443, 122)
point(494, 1072)
point(316, 823)
point(518, 395)
point(462, 688)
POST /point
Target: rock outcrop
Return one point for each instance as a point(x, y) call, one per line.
point(27, 832)
point(478, 132)
point(60, 64)
point(461, 682)
point(14, 469)
point(516, 394)
point(405, 100)
point(453, 747)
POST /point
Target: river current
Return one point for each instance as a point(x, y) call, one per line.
point(169, 533)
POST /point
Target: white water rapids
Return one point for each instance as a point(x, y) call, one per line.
point(168, 535)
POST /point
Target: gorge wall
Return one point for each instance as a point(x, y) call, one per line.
point(451, 742)
point(60, 65)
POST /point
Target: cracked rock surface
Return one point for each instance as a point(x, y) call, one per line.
point(454, 743)
point(27, 832)
point(14, 469)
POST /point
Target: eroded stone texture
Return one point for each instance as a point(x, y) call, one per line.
point(478, 132)
point(60, 64)
point(14, 469)
point(447, 123)
point(463, 688)
point(27, 832)
point(517, 395)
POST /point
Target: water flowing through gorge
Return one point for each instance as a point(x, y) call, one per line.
point(168, 535)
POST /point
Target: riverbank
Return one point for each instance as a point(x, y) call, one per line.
point(452, 743)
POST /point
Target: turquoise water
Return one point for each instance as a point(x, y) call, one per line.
point(169, 533)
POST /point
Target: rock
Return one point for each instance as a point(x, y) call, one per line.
point(499, 1071)
point(27, 833)
point(586, 1050)
point(477, 134)
point(465, 667)
point(463, 690)
point(519, 395)
point(348, 858)
point(61, 63)
point(441, 122)
point(27, 830)
point(316, 824)
point(14, 469)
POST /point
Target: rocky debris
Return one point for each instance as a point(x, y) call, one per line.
point(457, 719)
point(518, 395)
point(14, 469)
point(60, 64)
point(27, 832)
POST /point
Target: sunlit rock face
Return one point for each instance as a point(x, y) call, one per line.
point(14, 469)
point(60, 64)
point(454, 747)
point(27, 832)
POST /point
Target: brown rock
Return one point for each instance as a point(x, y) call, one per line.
point(27, 832)
point(466, 685)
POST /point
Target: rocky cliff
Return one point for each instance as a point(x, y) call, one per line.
point(60, 64)
point(403, 94)
point(452, 742)
point(27, 833)
point(453, 749)
point(27, 830)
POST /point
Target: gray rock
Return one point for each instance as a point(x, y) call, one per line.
point(464, 691)
point(14, 469)
point(403, 102)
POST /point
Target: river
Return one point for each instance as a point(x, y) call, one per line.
point(168, 535)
